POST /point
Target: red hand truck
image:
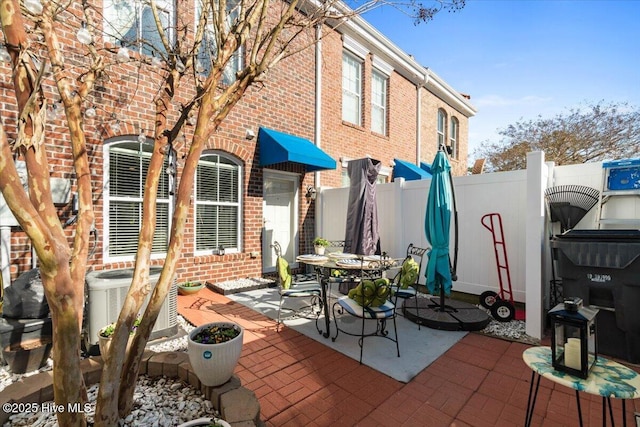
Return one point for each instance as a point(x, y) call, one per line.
point(501, 305)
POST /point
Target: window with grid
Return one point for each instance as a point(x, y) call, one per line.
point(128, 163)
point(453, 138)
point(131, 23)
point(217, 204)
point(351, 89)
point(442, 123)
point(379, 83)
point(209, 49)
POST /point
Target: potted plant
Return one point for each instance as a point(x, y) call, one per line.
point(320, 244)
point(104, 336)
point(189, 288)
point(214, 350)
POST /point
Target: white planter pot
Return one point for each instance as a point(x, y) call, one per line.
point(319, 250)
point(104, 343)
point(214, 364)
point(204, 422)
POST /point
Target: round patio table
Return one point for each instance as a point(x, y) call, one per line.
point(607, 378)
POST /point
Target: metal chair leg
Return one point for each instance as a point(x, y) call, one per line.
point(279, 310)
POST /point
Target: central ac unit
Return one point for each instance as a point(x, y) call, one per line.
point(106, 293)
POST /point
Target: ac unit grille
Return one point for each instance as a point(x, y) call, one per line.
point(106, 295)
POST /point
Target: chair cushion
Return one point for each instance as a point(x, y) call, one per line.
point(284, 273)
point(409, 273)
point(305, 289)
point(304, 277)
point(404, 293)
point(352, 307)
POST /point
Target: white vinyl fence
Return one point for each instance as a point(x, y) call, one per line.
point(518, 197)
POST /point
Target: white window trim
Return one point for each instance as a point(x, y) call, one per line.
point(386, 171)
point(382, 66)
point(454, 142)
point(107, 259)
point(386, 102)
point(442, 131)
point(168, 6)
point(236, 62)
point(359, 94)
point(354, 47)
point(240, 205)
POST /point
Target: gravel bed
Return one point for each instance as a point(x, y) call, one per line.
point(164, 402)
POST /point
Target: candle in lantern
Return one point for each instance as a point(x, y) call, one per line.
point(572, 353)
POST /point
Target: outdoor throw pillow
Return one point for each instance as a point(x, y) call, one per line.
point(408, 273)
point(371, 293)
point(284, 271)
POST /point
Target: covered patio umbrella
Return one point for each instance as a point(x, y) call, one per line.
point(441, 206)
point(361, 232)
point(437, 223)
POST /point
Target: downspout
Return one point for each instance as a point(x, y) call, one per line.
point(318, 120)
point(418, 121)
point(419, 88)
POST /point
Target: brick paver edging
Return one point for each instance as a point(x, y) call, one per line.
point(236, 404)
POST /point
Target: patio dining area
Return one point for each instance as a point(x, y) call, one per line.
point(478, 381)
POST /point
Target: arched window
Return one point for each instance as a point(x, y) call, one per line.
point(126, 165)
point(442, 127)
point(453, 138)
point(218, 203)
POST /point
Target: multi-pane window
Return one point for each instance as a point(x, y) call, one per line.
point(453, 138)
point(131, 23)
point(379, 82)
point(209, 48)
point(441, 128)
point(217, 204)
point(128, 163)
point(351, 89)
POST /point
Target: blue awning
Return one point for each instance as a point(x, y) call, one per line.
point(279, 147)
point(408, 171)
point(425, 167)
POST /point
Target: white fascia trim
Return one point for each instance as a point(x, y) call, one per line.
point(440, 88)
point(382, 66)
point(403, 63)
point(354, 47)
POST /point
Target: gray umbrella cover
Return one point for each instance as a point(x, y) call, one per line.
point(361, 233)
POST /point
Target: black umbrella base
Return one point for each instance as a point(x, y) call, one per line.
point(453, 315)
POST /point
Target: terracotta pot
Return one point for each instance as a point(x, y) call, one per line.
point(214, 364)
point(27, 356)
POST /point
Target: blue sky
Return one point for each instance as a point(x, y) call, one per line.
point(521, 59)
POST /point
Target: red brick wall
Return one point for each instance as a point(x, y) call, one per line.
point(429, 140)
point(342, 139)
point(285, 102)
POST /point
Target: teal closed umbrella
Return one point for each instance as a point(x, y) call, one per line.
point(437, 224)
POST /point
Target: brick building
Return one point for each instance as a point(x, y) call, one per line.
point(351, 95)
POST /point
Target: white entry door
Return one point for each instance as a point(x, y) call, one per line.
point(280, 209)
